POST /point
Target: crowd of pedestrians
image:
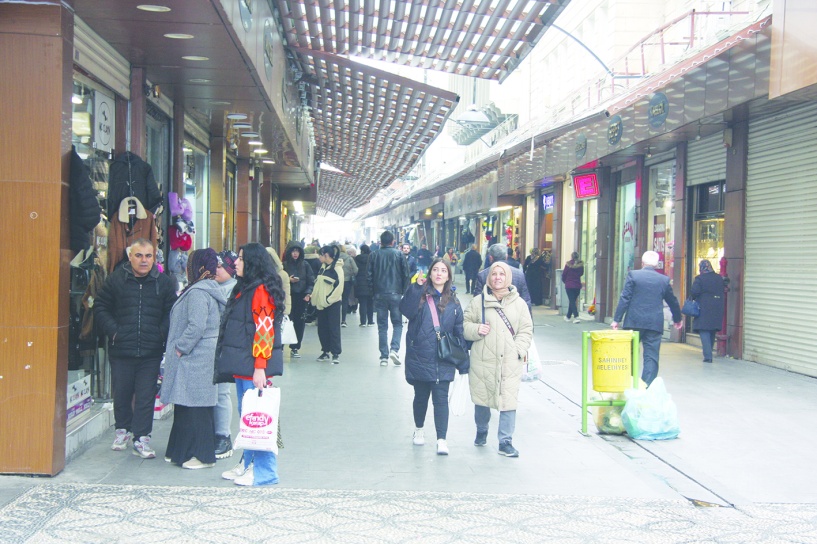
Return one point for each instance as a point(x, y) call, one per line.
point(221, 335)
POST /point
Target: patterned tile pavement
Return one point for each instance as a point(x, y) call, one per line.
point(115, 513)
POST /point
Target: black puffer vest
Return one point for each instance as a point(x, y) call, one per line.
point(234, 348)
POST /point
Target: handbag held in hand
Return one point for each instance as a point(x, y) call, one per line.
point(449, 347)
point(691, 308)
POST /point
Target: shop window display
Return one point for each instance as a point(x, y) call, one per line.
point(709, 224)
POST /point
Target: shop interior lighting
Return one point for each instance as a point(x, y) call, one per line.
point(255, 142)
point(236, 116)
point(220, 102)
point(298, 206)
point(249, 135)
point(268, 161)
point(195, 57)
point(76, 99)
point(178, 36)
point(501, 209)
point(260, 151)
point(199, 80)
point(153, 8)
point(240, 126)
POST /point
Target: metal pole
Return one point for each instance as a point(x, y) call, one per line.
point(585, 340)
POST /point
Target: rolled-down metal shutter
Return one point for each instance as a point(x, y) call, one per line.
point(706, 160)
point(781, 241)
point(101, 60)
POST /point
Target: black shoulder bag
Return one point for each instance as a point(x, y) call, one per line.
point(449, 348)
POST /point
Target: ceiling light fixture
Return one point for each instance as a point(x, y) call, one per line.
point(199, 80)
point(220, 102)
point(76, 99)
point(255, 142)
point(249, 135)
point(241, 125)
point(195, 57)
point(268, 161)
point(260, 151)
point(153, 8)
point(236, 116)
point(176, 36)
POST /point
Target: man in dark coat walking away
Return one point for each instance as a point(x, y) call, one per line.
point(499, 252)
point(470, 265)
point(642, 300)
point(133, 310)
point(387, 274)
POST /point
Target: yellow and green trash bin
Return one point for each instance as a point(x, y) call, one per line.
point(613, 357)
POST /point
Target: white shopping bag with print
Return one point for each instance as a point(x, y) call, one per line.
point(459, 400)
point(258, 428)
point(288, 335)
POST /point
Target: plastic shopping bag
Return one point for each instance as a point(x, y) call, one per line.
point(650, 414)
point(288, 335)
point(533, 364)
point(608, 418)
point(258, 428)
point(459, 399)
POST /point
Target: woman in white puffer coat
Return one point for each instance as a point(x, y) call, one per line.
point(499, 323)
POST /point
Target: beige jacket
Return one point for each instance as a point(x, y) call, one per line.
point(497, 358)
point(328, 287)
point(284, 277)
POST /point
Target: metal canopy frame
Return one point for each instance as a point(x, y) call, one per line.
point(369, 124)
point(485, 39)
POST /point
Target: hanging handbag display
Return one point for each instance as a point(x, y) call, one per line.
point(691, 308)
point(449, 347)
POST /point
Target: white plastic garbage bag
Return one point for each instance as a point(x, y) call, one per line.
point(650, 414)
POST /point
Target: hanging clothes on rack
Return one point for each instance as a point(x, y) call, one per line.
point(129, 223)
point(84, 210)
point(131, 176)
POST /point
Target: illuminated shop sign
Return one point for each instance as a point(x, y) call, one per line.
point(548, 201)
point(586, 186)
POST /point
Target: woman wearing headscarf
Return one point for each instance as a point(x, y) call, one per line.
point(326, 297)
point(249, 351)
point(534, 275)
point(429, 375)
point(500, 326)
point(188, 367)
point(572, 278)
point(707, 290)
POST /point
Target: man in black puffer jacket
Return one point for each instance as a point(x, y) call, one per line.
point(387, 275)
point(133, 310)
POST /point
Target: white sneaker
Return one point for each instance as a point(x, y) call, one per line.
point(395, 358)
point(419, 439)
point(442, 446)
point(384, 362)
point(194, 463)
point(567, 319)
point(577, 320)
point(245, 479)
point(236, 471)
point(120, 443)
point(141, 448)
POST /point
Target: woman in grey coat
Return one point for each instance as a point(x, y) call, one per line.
point(189, 363)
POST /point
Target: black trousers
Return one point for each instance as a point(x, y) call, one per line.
point(572, 297)
point(329, 328)
point(134, 393)
point(439, 398)
point(347, 292)
point(366, 309)
point(297, 317)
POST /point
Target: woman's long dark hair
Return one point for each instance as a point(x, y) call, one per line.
point(259, 268)
point(447, 293)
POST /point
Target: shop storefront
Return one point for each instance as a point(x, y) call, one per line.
point(626, 228)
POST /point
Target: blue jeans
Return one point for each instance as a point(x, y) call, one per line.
point(707, 343)
point(223, 412)
point(385, 304)
point(651, 345)
point(265, 463)
point(507, 422)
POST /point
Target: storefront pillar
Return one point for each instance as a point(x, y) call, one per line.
point(243, 202)
point(264, 210)
point(138, 112)
point(36, 86)
point(177, 167)
point(605, 243)
point(556, 251)
point(735, 234)
point(218, 176)
point(679, 229)
point(642, 198)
